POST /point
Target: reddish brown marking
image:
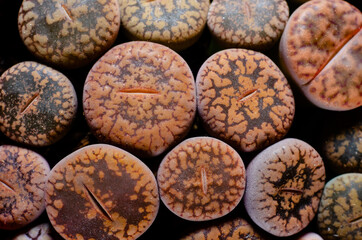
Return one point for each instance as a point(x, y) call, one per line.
point(29, 103)
point(291, 190)
point(97, 203)
point(334, 53)
point(247, 94)
point(356, 220)
point(140, 90)
point(67, 12)
point(6, 185)
point(204, 180)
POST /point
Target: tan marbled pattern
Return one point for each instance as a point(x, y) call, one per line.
point(101, 192)
point(321, 49)
point(23, 175)
point(177, 24)
point(37, 104)
point(140, 96)
point(68, 33)
point(340, 210)
point(284, 185)
point(244, 99)
point(201, 179)
point(251, 24)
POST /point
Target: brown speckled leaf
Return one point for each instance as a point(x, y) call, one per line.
point(101, 192)
point(201, 179)
point(23, 175)
point(284, 185)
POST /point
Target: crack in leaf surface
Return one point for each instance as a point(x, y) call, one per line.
point(97, 203)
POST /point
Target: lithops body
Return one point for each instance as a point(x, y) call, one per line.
point(251, 24)
point(321, 49)
point(37, 104)
point(244, 99)
point(284, 185)
point(342, 148)
point(42, 231)
point(23, 175)
point(68, 33)
point(201, 179)
point(233, 229)
point(140, 96)
point(101, 192)
point(310, 236)
point(176, 24)
point(340, 210)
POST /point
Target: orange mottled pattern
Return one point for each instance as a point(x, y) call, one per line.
point(340, 210)
point(321, 50)
point(234, 229)
point(23, 175)
point(201, 179)
point(68, 33)
point(177, 24)
point(140, 96)
point(244, 99)
point(252, 24)
point(284, 187)
point(101, 192)
point(37, 104)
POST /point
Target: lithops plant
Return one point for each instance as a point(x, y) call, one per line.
point(251, 24)
point(140, 96)
point(234, 229)
point(23, 176)
point(321, 49)
point(101, 192)
point(38, 104)
point(69, 33)
point(201, 179)
point(176, 24)
point(340, 209)
point(284, 186)
point(244, 99)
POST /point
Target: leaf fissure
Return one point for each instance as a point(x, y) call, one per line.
point(333, 54)
point(247, 94)
point(67, 12)
point(31, 101)
point(204, 180)
point(97, 203)
point(355, 220)
point(7, 185)
point(247, 10)
point(139, 91)
point(291, 190)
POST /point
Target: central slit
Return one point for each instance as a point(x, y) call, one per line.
point(247, 10)
point(204, 180)
point(97, 203)
point(334, 53)
point(139, 91)
point(291, 190)
point(247, 94)
point(7, 185)
point(67, 12)
point(355, 220)
point(29, 103)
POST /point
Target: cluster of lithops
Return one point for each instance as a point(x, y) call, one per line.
point(189, 120)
